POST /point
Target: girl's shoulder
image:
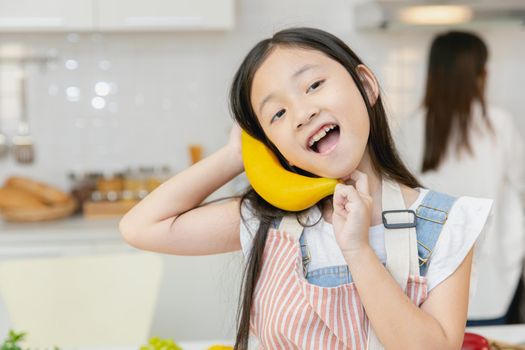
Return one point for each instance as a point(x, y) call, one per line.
point(459, 223)
point(452, 210)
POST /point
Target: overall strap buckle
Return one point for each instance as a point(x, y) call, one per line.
point(399, 225)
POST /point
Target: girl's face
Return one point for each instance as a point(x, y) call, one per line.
point(310, 108)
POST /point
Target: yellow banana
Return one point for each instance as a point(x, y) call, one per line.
point(281, 188)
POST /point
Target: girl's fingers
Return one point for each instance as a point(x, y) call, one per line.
point(346, 195)
point(361, 182)
point(340, 195)
point(353, 195)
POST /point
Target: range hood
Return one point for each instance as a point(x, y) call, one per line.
point(397, 14)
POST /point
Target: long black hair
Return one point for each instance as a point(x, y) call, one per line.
point(455, 78)
point(380, 146)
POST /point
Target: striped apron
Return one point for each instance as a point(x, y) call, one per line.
point(290, 313)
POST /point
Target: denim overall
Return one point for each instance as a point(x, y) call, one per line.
point(431, 215)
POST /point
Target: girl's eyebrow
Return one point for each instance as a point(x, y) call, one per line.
point(303, 69)
point(300, 71)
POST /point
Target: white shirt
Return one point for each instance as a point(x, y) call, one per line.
point(494, 170)
point(464, 224)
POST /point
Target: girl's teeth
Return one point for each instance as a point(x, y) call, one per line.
point(319, 135)
point(322, 133)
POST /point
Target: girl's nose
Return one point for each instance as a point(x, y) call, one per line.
point(305, 116)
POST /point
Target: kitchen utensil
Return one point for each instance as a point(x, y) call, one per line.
point(4, 147)
point(23, 146)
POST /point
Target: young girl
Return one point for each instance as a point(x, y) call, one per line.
point(345, 273)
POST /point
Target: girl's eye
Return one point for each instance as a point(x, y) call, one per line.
point(278, 114)
point(315, 85)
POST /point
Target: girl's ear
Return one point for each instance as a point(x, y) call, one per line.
point(369, 82)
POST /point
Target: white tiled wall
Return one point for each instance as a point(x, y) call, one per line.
point(170, 89)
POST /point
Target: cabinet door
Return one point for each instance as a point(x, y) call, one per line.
point(46, 16)
point(164, 15)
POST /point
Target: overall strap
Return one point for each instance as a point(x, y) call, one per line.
point(291, 226)
point(400, 234)
point(432, 214)
point(400, 242)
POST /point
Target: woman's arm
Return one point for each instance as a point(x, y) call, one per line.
point(209, 229)
point(397, 321)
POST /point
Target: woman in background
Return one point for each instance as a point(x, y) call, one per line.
point(458, 145)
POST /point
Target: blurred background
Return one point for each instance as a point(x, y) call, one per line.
point(108, 98)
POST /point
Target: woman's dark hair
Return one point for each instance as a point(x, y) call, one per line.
point(380, 146)
point(455, 79)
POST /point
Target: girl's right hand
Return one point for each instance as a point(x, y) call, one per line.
point(235, 145)
point(352, 213)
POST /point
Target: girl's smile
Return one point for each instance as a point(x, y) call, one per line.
point(311, 110)
point(325, 139)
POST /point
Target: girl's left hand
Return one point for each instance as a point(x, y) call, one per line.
point(352, 213)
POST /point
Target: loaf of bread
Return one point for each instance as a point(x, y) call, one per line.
point(14, 198)
point(25, 200)
point(45, 193)
point(45, 213)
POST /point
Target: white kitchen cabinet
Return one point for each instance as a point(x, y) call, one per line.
point(115, 15)
point(197, 298)
point(46, 16)
point(164, 15)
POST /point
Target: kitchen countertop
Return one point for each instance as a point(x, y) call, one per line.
point(185, 345)
point(73, 236)
point(514, 333)
point(75, 228)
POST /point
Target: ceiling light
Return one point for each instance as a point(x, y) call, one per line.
point(445, 14)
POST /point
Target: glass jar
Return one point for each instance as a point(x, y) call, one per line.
point(132, 185)
point(111, 185)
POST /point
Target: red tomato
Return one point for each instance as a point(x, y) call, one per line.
point(473, 341)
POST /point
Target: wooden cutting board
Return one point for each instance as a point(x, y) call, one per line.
point(106, 209)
